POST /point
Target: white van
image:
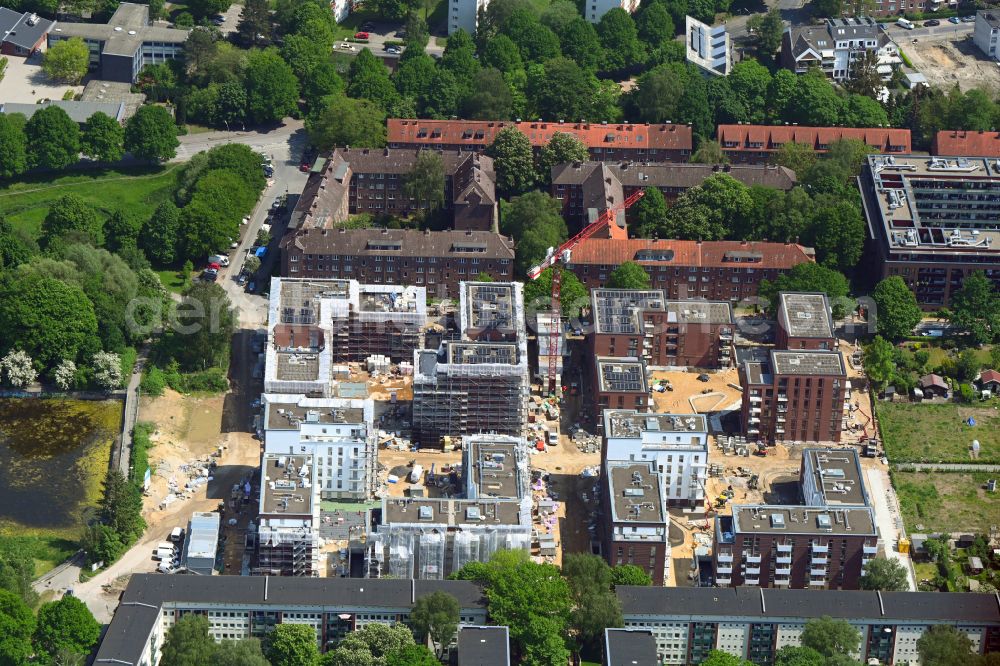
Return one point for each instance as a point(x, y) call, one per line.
point(220, 259)
point(905, 23)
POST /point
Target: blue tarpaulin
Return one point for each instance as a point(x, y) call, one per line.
point(971, 421)
point(261, 251)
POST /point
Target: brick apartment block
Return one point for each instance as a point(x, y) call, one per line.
point(960, 143)
point(756, 144)
point(641, 142)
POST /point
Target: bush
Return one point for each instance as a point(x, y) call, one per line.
point(140, 450)
point(212, 380)
point(128, 358)
point(153, 382)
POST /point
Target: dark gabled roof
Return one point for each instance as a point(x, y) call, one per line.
point(483, 646)
point(629, 647)
point(680, 176)
point(16, 28)
point(805, 604)
point(407, 243)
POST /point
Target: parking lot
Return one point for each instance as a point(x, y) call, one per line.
point(24, 82)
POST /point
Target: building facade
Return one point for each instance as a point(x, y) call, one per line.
point(640, 142)
point(984, 36)
point(795, 396)
point(22, 34)
point(931, 221)
point(435, 260)
point(619, 383)
point(757, 144)
point(464, 15)
point(753, 624)
point(127, 43)
point(636, 523)
point(690, 270)
point(644, 324)
point(676, 443)
point(838, 47)
point(239, 607)
point(287, 535)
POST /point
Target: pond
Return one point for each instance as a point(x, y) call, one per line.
point(54, 454)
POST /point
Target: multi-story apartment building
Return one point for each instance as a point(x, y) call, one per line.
point(805, 321)
point(644, 324)
point(962, 143)
point(585, 186)
point(640, 142)
point(483, 646)
point(480, 382)
point(434, 537)
point(464, 15)
point(753, 624)
point(824, 544)
point(676, 443)
point(757, 144)
point(124, 45)
point(795, 396)
point(985, 37)
point(337, 432)
point(710, 48)
point(593, 10)
point(373, 181)
point(690, 270)
point(239, 607)
point(436, 260)
point(316, 325)
point(636, 523)
point(287, 534)
point(629, 647)
point(620, 383)
point(932, 222)
point(838, 46)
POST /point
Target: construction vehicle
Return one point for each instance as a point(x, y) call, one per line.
point(562, 254)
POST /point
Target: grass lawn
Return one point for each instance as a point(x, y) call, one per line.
point(171, 281)
point(48, 549)
point(26, 202)
point(949, 502)
point(933, 433)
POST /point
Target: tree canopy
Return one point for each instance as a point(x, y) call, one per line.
point(66, 625)
point(885, 574)
point(896, 311)
point(629, 275)
point(513, 161)
point(535, 222)
point(53, 139)
point(436, 616)
point(151, 135)
point(830, 637)
point(975, 308)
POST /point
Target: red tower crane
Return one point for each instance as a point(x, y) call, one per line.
point(562, 254)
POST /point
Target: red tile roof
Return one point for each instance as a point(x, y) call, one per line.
point(594, 135)
point(735, 254)
point(989, 376)
point(739, 137)
point(959, 143)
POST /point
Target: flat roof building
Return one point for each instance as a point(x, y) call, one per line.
point(619, 383)
point(201, 543)
point(288, 517)
point(636, 523)
point(805, 321)
point(832, 477)
point(127, 43)
point(708, 47)
point(78, 111)
point(930, 221)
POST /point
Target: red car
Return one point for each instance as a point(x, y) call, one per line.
point(361, 35)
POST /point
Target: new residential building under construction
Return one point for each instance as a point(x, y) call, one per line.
point(479, 383)
point(288, 531)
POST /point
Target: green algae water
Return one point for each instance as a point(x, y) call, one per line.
point(54, 454)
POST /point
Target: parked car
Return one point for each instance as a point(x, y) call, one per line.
point(931, 23)
point(971, 18)
point(344, 46)
point(393, 50)
point(361, 35)
point(268, 171)
point(955, 20)
point(703, 378)
point(242, 279)
point(401, 34)
point(367, 25)
point(210, 275)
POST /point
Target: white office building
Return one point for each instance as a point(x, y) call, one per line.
point(677, 443)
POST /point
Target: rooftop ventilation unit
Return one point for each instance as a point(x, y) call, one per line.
point(425, 513)
point(824, 523)
point(777, 521)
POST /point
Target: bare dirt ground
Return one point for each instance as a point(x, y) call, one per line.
point(948, 60)
point(693, 396)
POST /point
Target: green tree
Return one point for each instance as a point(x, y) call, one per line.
point(885, 574)
point(103, 138)
point(17, 570)
point(13, 147)
point(798, 157)
point(880, 366)
point(159, 238)
point(944, 645)
point(532, 599)
point(975, 308)
point(721, 658)
point(767, 30)
point(412, 655)
point(831, 637)
point(658, 93)
point(16, 245)
point(151, 135)
point(425, 182)
point(862, 111)
point(502, 53)
point(490, 97)
point(202, 8)
point(562, 148)
point(121, 506)
point(240, 159)
point(435, 616)
point(208, 311)
point(558, 15)
point(813, 101)
point(292, 645)
point(536, 42)
point(708, 211)
point(808, 277)
point(459, 57)
point(709, 152)
point(595, 605)
point(121, 231)
point(654, 24)
point(535, 222)
point(581, 44)
point(67, 60)
point(629, 275)
point(620, 39)
point(303, 54)
point(369, 79)
point(68, 625)
point(897, 310)
point(188, 643)
point(648, 214)
point(513, 161)
point(561, 89)
point(71, 213)
point(254, 27)
point(573, 294)
point(371, 645)
point(967, 366)
point(16, 627)
point(272, 89)
point(792, 655)
point(246, 652)
point(837, 232)
point(53, 139)
point(343, 121)
point(630, 574)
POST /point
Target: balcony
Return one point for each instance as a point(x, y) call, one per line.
point(724, 581)
point(724, 557)
point(784, 559)
point(755, 398)
point(720, 570)
point(784, 548)
point(752, 559)
point(751, 581)
point(782, 581)
point(869, 549)
point(819, 548)
point(753, 571)
point(782, 397)
point(782, 572)
point(820, 559)
point(817, 583)
point(818, 572)
point(754, 419)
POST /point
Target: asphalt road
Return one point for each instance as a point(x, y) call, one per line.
point(382, 33)
point(944, 31)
